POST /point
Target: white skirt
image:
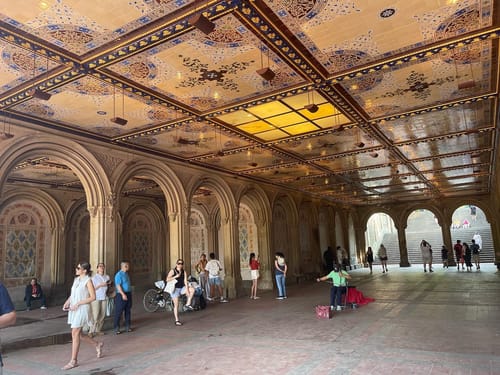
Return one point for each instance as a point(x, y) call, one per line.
point(255, 274)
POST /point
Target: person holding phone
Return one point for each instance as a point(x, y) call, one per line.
point(101, 282)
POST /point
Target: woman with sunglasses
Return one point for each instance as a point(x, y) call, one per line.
point(181, 287)
point(78, 305)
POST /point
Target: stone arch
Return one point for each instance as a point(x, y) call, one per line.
point(223, 219)
point(77, 237)
point(254, 197)
point(284, 230)
point(51, 274)
point(145, 224)
point(86, 167)
point(175, 197)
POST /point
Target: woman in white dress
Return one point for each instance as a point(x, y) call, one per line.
point(78, 305)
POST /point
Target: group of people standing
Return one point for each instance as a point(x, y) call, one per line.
point(465, 254)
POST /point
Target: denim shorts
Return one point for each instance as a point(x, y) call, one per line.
point(177, 292)
point(214, 281)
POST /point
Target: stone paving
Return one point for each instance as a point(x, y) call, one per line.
point(446, 322)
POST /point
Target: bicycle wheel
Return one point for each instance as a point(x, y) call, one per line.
point(150, 300)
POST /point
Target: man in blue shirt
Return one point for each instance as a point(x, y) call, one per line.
point(123, 299)
point(7, 314)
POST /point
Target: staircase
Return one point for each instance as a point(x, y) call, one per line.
point(422, 225)
point(434, 237)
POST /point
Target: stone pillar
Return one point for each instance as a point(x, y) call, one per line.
point(229, 229)
point(360, 245)
point(446, 233)
point(265, 253)
point(176, 237)
point(103, 236)
point(403, 250)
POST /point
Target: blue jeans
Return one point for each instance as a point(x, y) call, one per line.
point(122, 307)
point(280, 283)
point(336, 295)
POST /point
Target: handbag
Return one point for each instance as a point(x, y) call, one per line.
point(110, 305)
point(171, 286)
point(323, 312)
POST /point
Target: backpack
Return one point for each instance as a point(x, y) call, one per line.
point(202, 301)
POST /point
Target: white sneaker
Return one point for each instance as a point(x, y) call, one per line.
point(339, 308)
point(332, 307)
point(279, 297)
point(43, 308)
point(223, 300)
point(209, 299)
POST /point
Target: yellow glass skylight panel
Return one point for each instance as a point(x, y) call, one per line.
point(305, 127)
point(269, 109)
point(332, 121)
point(272, 135)
point(237, 118)
point(255, 127)
point(286, 119)
point(299, 101)
point(324, 110)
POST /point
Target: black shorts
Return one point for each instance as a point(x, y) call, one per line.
point(383, 258)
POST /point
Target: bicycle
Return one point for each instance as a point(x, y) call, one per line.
point(157, 298)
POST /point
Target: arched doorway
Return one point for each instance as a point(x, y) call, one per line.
point(380, 229)
point(468, 222)
point(422, 224)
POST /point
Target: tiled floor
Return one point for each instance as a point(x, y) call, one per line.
point(447, 322)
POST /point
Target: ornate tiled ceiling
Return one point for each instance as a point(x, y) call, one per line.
point(404, 94)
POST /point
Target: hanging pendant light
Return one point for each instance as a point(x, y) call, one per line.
point(119, 120)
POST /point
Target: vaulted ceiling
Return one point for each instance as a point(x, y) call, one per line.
point(369, 102)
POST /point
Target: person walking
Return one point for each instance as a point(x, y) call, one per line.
point(459, 254)
point(123, 298)
point(339, 287)
point(475, 248)
point(382, 254)
point(182, 287)
point(444, 256)
point(101, 282)
point(254, 273)
point(369, 258)
point(78, 305)
point(7, 314)
point(425, 249)
point(467, 256)
point(280, 269)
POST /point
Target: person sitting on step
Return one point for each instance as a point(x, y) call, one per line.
point(34, 292)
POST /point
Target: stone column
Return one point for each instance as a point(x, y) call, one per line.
point(446, 233)
point(403, 250)
point(103, 236)
point(176, 237)
point(229, 229)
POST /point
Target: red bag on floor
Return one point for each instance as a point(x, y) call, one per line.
point(323, 312)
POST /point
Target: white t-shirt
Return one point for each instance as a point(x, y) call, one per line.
point(213, 267)
point(100, 294)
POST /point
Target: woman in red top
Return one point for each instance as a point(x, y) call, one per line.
point(254, 270)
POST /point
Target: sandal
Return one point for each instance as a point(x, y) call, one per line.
point(98, 349)
point(177, 323)
point(71, 364)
